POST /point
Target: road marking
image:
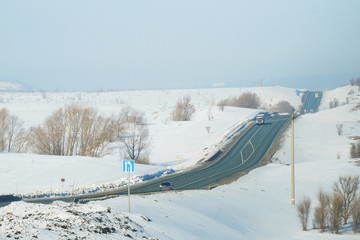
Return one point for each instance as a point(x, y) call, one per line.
point(237, 166)
point(253, 150)
point(249, 142)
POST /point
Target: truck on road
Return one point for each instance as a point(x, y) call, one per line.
point(260, 119)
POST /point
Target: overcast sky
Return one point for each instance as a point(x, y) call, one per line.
point(115, 44)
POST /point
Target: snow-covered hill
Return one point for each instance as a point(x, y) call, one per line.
point(256, 206)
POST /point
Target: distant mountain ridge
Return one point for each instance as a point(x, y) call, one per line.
point(12, 86)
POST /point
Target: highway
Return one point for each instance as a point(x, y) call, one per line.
point(247, 153)
point(311, 102)
point(249, 149)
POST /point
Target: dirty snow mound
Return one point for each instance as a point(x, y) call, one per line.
point(66, 221)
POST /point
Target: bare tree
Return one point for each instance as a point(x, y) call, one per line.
point(89, 134)
point(136, 143)
point(245, 100)
point(355, 150)
point(127, 115)
point(101, 135)
point(357, 107)
point(355, 213)
point(207, 129)
point(15, 134)
point(48, 139)
point(73, 114)
point(4, 126)
point(249, 100)
point(334, 103)
point(347, 188)
point(75, 130)
point(10, 131)
point(131, 115)
point(282, 107)
point(354, 82)
point(303, 209)
point(39, 141)
point(339, 128)
point(321, 212)
point(184, 109)
point(222, 105)
point(210, 116)
point(336, 206)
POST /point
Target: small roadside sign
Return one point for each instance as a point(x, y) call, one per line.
point(128, 166)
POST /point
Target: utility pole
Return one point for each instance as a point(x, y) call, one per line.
point(292, 162)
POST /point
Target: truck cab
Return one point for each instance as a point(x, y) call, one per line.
point(260, 119)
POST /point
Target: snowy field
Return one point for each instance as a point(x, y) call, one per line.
point(256, 206)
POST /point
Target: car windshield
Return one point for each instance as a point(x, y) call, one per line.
point(166, 184)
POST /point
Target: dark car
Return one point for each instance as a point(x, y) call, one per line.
point(166, 186)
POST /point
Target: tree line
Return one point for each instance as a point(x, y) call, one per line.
point(253, 101)
point(355, 82)
point(77, 131)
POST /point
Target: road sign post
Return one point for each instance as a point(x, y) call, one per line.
point(129, 192)
point(128, 167)
point(62, 182)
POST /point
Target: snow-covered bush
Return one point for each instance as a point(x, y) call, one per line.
point(355, 150)
point(303, 209)
point(183, 110)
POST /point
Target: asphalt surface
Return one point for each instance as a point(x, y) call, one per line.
point(247, 153)
point(311, 102)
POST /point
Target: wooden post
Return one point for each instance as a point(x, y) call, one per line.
point(292, 163)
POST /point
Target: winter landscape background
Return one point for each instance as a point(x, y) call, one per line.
point(256, 206)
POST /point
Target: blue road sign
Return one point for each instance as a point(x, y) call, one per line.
point(128, 165)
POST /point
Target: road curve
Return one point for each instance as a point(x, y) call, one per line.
point(247, 153)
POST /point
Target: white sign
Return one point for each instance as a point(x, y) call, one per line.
point(128, 165)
